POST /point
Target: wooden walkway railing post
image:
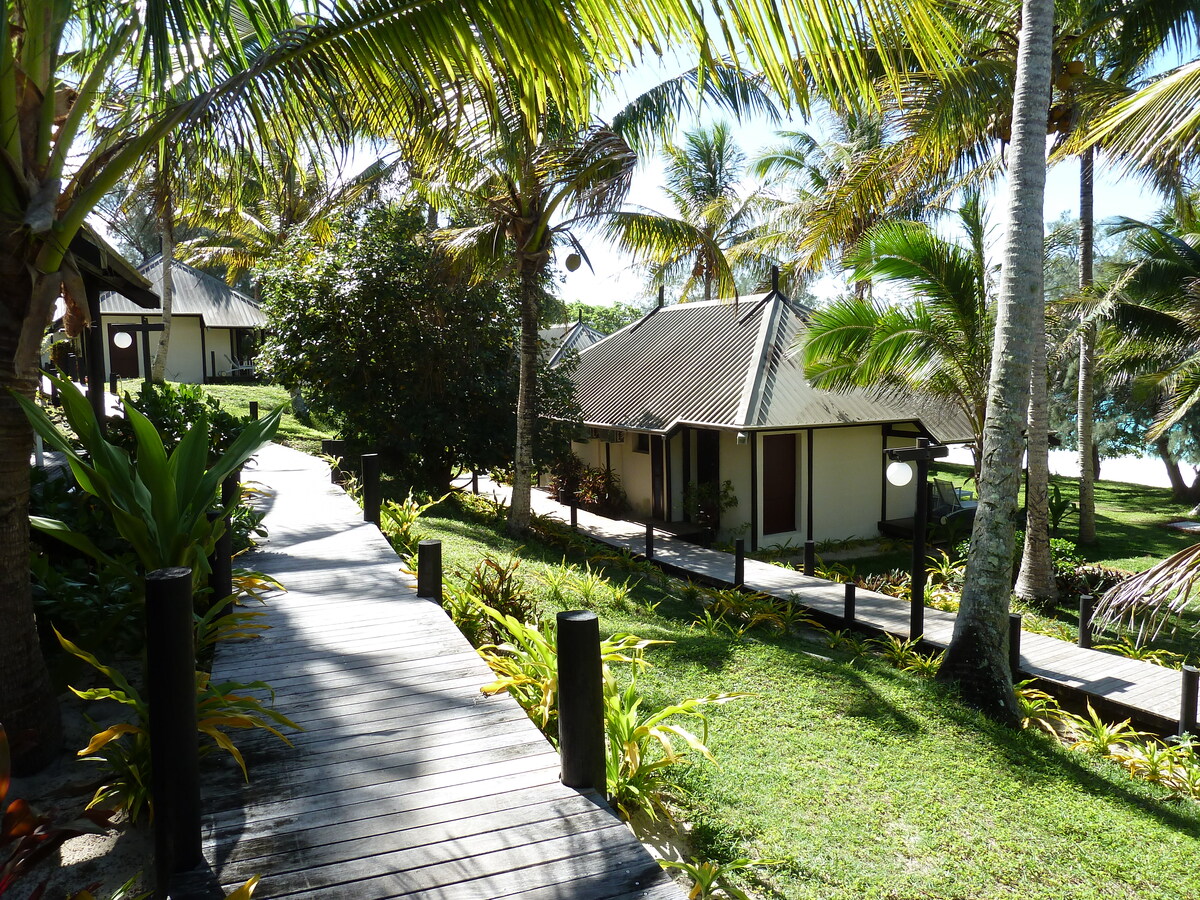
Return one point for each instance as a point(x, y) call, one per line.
point(429, 570)
point(810, 558)
point(370, 488)
point(112, 384)
point(848, 609)
point(1087, 605)
point(253, 410)
point(649, 541)
point(1014, 644)
point(574, 514)
point(1188, 697)
point(739, 562)
point(581, 701)
point(174, 747)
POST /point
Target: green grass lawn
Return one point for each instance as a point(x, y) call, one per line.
point(866, 781)
point(236, 398)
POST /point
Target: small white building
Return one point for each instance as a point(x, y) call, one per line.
point(214, 329)
point(697, 395)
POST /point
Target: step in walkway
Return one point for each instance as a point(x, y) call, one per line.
point(1148, 692)
point(406, 781)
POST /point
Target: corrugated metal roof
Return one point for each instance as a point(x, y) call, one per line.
point(196, 294)
point(568, 337)
point(729, 365)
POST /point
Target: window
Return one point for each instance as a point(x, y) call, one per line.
point(641, 443)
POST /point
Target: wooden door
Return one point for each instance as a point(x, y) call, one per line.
point(779, 483)
point(122, 361)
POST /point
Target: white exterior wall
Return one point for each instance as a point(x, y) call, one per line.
point(633, 468)
point(847, 467)
point(189, 357)
point(735, 468)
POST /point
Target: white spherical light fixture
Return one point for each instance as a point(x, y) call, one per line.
point(123, 340)
point(899, 473)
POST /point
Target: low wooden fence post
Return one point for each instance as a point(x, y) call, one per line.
point(581, 701)
point(429, 570)
point(810, 558)
point(112, 384)
point(253, 410)
point(1189, 693)
point(574, 514)
point(370, 488)
point(1014, 644)
point(649, 541)
point(1087, 606)
point(174, 746)
point(739, 562)
point(848, 609)
point(475, 483)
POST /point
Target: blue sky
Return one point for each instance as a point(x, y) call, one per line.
point(614, 277)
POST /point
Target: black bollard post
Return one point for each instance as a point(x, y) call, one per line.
point(649, 541)
point(370, 487)
point(1190, 691)
point(174, 748)
point(848, 610)
point(810, 558)
point(581, 701)
point(54, 394)
point(574, 513)
point(475, 483)
point(253, 410)
point(739, 562)
point(334, 449)
point(1014, 644)
point(220, 563)
point(112, 384)
point(429, 570)
point(1087, 605)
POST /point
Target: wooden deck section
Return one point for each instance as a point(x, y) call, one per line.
point(1149, 693)
point(407, 781)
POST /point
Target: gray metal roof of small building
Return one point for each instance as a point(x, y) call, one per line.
point(729, 365)
point(569, 336)
point(195, 293)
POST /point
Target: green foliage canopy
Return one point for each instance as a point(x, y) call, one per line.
point(397, 347)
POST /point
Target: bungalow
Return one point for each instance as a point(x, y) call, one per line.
point(214, 329)
point(568, 337)
point(704, 413)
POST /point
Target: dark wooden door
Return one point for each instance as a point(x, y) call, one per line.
point(122, 361)
point(779, 483)
point(658, 481)
point(708, 458)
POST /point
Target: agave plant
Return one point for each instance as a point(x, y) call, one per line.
point(158, 503)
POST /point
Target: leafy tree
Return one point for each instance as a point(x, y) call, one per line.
point(698, 246)
point(607, 319)
point(384, 337)
point(938, 345)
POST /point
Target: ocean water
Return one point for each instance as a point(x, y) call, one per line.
point(1129, 469)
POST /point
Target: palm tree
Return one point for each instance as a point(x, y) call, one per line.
point(69, 138)
point(713, 216)
point(939, 345)
point(976, 659)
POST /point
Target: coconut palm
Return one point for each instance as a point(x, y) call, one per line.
point(713, 215)
point(976, 658)
point(69, 138)
point(939, 345)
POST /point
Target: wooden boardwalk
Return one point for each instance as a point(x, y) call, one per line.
point(1149, 693)
point(407, 781)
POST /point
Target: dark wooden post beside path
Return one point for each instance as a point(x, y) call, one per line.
point(581, 700)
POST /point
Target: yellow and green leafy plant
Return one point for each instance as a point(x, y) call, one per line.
point(400, 522)
point(710, 880)
point(1093, 735)
point(526, 664)
point(645, 750)
point(897, 651)
point(124, 748)
point(1154, 761)
point(1039, 709)
point(1134, 650)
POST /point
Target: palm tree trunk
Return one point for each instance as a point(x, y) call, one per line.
point(1084, 413)
point(519, 511)
point(28, 709)
point(1036, 579)
point(976, 659)
point(159, 370)
point(1179, 488)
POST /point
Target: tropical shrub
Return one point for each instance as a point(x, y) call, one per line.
point(173, 410)
point(400, 522)
point(158, 502)
point(26, 836)
point(710, 880)
point(1093, 735)
point(1039, 709)
point(123, 749)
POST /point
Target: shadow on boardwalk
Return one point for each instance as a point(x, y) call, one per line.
point(406, 781)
